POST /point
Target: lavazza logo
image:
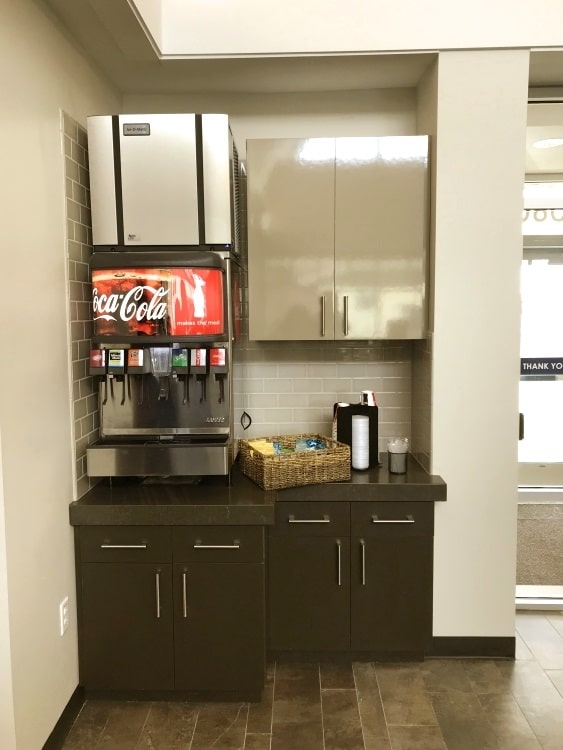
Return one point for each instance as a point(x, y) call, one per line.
point(139, 303)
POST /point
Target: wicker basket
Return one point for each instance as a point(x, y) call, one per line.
point(295, 469)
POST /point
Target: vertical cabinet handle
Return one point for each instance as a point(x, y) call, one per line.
point(323, 309)
point(363, 561)
point(339, 562)
point(345, 314)
point(184, 595)
point(157, 593)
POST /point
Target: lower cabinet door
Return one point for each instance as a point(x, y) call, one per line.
point(219, 626)
point(126, 626)
point(391, 594)
point(309, 593)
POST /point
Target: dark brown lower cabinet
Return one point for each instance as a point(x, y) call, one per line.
point(162, 608)
point(351, 577)
point(219, 620)
point(309, 589)
point(125, 642)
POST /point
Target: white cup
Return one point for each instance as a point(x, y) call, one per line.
point(360, 441)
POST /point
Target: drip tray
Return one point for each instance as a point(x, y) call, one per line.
point(161, 459)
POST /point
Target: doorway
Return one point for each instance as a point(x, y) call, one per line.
point(539, 575)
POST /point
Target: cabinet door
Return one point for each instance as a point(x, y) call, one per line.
point(290, 190)
point(309, 579)
point(309, 593)
point(391, 599)
point(126, 626)
point(381, 237)
point(219, 626)
point(391, 572)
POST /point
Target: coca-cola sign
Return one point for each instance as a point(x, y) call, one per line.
point(158, 302)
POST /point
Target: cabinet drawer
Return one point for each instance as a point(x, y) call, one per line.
point(393, 519)
point(218, 544)
point(312, 518)
point(125, 544)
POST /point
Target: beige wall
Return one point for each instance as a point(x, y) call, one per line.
point(40, 75)
point(482, 99)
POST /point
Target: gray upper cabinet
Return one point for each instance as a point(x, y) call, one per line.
point(337, 238)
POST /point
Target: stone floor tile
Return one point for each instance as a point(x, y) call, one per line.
point(296, 716)
point(463, 722)
point(417, 738)
point(258, 742)
point(542, 638)
point(260, 713)
point(443, 675)
point(370, 707)
point(337, 677)
point(341, 720)
point(124, 725)
point(169, 726)
point(404, 695)
point(556, 677)
point(508, 722)
point(89, 725)
point(220, 725)
point(485, 677)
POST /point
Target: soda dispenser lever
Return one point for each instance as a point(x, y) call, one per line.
point(218, 365)
point(116, 367)
point(137, 366)
point(180, 370)
point(99, 366)
point(198, 367)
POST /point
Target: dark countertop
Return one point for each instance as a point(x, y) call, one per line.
point(212, 501)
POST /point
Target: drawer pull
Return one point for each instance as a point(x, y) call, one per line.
point(157, 592)
point(184, 595)
point(324, 519)
point(339, 561)
point(363, 560)
point(235, 545)
point(408, 519)
point(123, 546)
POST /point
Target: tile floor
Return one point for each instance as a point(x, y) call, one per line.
point(438, 704)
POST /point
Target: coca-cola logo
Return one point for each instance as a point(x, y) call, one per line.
point(139, 303)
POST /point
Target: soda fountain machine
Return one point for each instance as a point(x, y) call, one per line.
point(165, 292)
point(165, 324)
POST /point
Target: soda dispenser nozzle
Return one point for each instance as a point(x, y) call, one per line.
point(161, 361)
point(218, 365)
point(99, 366)
point(116, 367)
point(180, 370)
point(137, 366)
point(198, 367)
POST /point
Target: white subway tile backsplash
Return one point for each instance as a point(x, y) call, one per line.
point(278, 385)
point(292, 370)
point(335, 385)
point(322, 399)
point(307, 385)
point(324, 370)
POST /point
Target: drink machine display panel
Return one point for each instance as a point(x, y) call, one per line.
point(170, 303)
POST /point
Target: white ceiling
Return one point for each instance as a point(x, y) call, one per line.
point(109, 34)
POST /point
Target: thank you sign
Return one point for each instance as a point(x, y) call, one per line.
point(541, 366)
